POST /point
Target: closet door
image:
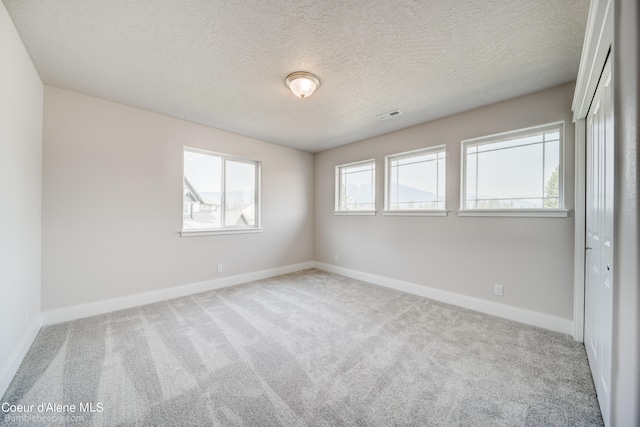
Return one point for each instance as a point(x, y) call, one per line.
point(599, 239)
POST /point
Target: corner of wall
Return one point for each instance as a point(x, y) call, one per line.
point(11, 366)
point(21, 113)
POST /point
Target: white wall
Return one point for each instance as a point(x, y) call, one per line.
point(21, 193)
point(531, 257)
point(112, 205)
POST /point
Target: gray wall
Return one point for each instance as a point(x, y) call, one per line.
point(626, 322)
point(21, 191)
point(112, 205)
point(531, 257)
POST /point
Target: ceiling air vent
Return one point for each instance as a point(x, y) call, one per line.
point(389, 114)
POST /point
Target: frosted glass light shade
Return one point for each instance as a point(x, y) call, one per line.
point(302, 84)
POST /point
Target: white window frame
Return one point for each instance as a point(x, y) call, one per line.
point(257, 227)
point(338, 188)
point(387, 183)
point(505, 136)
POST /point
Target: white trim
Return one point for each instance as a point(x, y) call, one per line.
point(10, 368)
point(194, 233)
point(354, 212)
point(529, 317)
point(597, 41)
point(530, 213)
point(579, 232)
point(416, 213)
point(121, 303)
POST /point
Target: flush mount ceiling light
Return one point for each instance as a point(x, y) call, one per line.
point(302, 84)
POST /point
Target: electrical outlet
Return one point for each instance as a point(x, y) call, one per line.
point(220, 268)
point(337, 258)
point(498, 290)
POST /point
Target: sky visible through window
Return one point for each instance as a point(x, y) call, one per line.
point(516, 173)
point(417, 181)
point(203, 171)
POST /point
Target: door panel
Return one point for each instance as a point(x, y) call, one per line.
point(599, 239)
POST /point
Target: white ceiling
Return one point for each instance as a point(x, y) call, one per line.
point(223, 63)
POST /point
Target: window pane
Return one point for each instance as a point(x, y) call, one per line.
point(416, 158)
point(510, 143)
point(442, 173)
point(357, 187)
point(506, 177)
point(240, 194)
point(417, 186)
point(393, 186)
point(417, 181)
point(472, 188)
point(219, 192)
point(201, 191)
point(552, 136)
point(522, 172)
point(551, 175)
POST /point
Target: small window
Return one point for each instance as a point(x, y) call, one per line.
point(514, 171)
point(221, 193)
point(355, 188)
point(415, 181)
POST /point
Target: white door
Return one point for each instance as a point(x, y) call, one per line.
point(599, 239)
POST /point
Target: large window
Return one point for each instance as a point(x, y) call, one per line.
point(514, 171)
point(415, 182)
point(220, 193)
point(355, 188)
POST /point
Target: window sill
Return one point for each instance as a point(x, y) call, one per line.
point(416, 213)
point(371, 213)
point(195, 233)
point(530, 213)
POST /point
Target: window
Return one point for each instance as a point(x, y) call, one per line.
point(518, 171)
point(220, 193)
point(415, 182)
point(355, 188)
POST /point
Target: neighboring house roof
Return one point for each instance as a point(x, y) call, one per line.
point(244, 217)
point(236, 218)
point(191, 192)
point(191, 195)
point(249, 214)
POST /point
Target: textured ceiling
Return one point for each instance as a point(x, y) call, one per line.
point(223, 63)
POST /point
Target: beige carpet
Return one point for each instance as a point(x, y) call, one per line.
point(304, 349)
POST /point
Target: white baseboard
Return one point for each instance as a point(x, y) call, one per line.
point(106, 306)
point(11, 367)
point(529, 317)
point(534, 318)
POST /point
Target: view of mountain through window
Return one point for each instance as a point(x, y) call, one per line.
point(416, 180)
point(356, 187)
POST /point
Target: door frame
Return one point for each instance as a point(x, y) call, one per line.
point(598, 45)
